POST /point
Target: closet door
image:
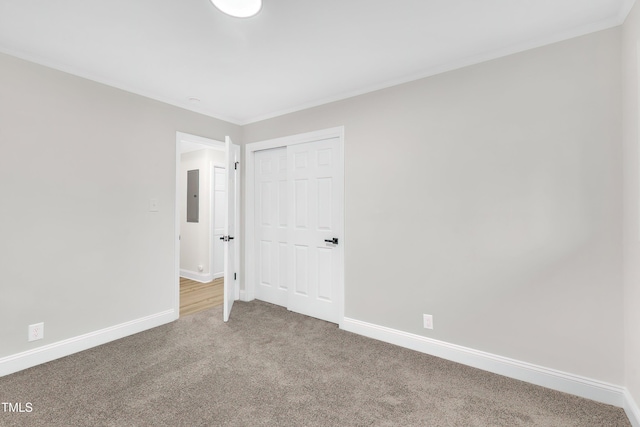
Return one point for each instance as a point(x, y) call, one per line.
point(271, 225)
point(315, 184)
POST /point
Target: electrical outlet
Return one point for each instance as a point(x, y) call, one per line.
point(36, 331)
point(428, 321)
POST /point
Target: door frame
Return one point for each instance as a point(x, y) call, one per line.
point(249, 249)
point(211, 143)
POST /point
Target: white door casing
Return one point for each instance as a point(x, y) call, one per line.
point(232, 152)
point(271, 225)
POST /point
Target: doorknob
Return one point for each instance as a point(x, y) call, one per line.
point(334, 240)
point(226, 238)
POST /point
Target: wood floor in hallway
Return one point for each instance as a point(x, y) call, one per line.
point(197, 296)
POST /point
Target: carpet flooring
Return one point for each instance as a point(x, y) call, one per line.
point(271, 367)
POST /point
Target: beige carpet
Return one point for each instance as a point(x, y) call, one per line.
point(270, 367)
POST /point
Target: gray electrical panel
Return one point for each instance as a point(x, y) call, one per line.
point(193, 195)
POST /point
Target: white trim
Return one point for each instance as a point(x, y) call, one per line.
point(631, 409)
point(336, 132)
point(47, 353)
point(249, 219)
point(524, 371)
point(242, 295)
point(345, 241)
point(176, 231)
point(198, 277)
point(211, 232)
point(217, 145)
point(238, 236)
point(250, 149)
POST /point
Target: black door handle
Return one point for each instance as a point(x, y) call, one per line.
point(226, 238)
point(334, 240)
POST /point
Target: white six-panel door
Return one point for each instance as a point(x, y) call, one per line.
point(298, 213)
point(271, 225)
point(315, 195)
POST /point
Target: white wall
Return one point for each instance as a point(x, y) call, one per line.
point(195, 236)
point(79, 162)
point(490, 197)
point(631, 76)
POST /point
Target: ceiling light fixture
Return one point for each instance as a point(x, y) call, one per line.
point(239, 8)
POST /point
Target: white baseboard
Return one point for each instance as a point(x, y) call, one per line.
point(47, 353)
point(631, 409)
point(198, 277)
point(243, 295)
point(546, 377)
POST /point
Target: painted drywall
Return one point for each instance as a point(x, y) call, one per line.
point(195, 243)
point(491, 198)
point(630, 79)
point(79, 163)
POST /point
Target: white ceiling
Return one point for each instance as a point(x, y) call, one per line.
point(293, 54)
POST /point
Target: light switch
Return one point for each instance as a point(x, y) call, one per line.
point(153, 205)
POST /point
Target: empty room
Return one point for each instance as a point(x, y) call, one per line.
point(320, 213)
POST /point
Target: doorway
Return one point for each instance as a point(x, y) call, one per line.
point(202, 220)
point(295, 223)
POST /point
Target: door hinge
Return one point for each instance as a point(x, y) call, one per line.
point(235, 165)
point(235, 276)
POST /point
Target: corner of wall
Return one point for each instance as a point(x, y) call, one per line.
point(625, 9)
point(631, 409)
point(631, 201)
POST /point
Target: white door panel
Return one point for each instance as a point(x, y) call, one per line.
point(232, 152)
point(315, 179)
point(271, 225)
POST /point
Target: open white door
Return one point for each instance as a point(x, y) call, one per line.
point(232, 152)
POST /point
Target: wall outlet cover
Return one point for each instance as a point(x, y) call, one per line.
point(36, 331)
point(428, 321)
